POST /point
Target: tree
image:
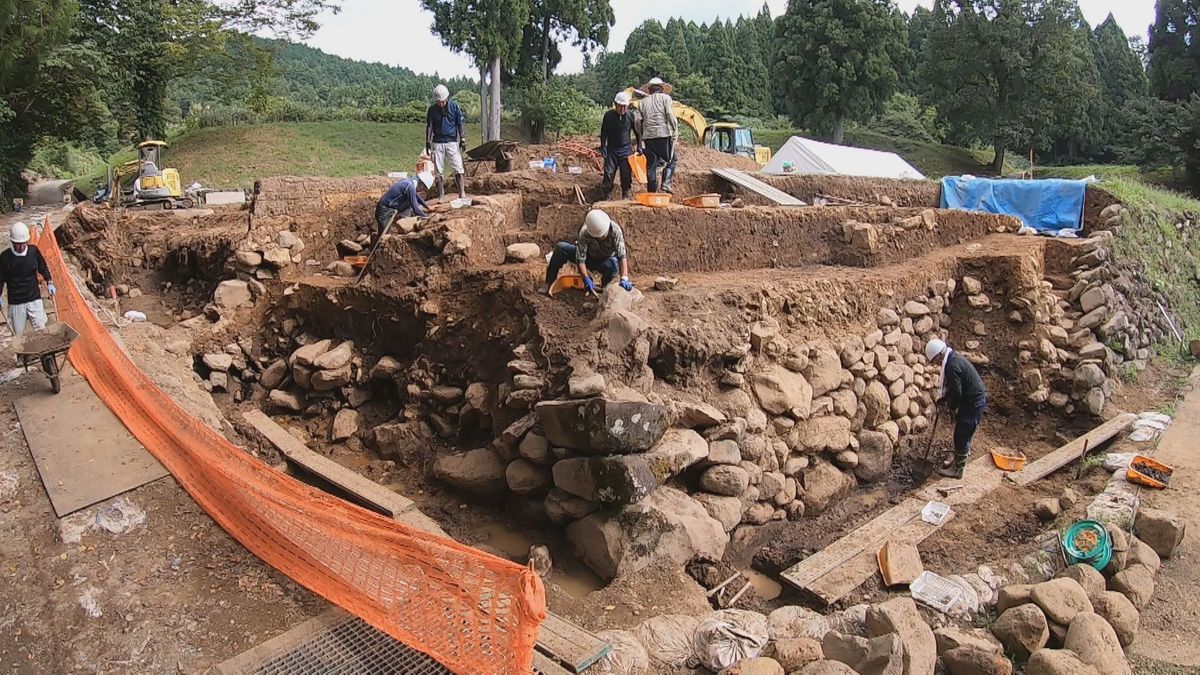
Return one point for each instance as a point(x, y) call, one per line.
point(491, 32)
point(1174, 51)
point(1122, 78)
point(919, 25)
point(584, 23)
point(1011, 73)
point(839, 59)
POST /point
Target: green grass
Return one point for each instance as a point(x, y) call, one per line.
point(932, 159)
point(230, 157)
point(1169, 179)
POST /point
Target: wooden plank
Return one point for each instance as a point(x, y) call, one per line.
point(83, 453)
point(744, 180)
point(544, 665)
point(1072, 451)
point(253, 658)
point(572, 646)
point(370, 492)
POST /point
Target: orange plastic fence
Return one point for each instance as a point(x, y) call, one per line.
point(473, 612)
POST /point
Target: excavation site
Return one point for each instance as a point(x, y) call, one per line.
point(728, 468)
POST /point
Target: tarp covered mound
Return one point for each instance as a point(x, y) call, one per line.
point(807, 156)
point(1048, 206)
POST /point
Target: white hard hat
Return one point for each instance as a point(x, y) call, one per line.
point(934, 348)
point(622, 98)
point(441, 93)
point(18, 233)
point(598, 223)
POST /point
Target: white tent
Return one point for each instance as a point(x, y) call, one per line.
point(814, 157)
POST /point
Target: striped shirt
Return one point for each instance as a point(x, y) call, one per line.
point(591, 248)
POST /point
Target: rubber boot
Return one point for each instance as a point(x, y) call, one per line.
point(441, 187)
point(625, 195)
point(666, 182)
point(462, 186)
point(955, 470)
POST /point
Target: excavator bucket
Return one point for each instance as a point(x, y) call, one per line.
point(637, 163)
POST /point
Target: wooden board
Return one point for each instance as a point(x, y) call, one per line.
point(744, 180)
point(573, 647)
point(1072, 451)
point(841, 567)
point(84, 454)
point(373, 494)
point(899, 562)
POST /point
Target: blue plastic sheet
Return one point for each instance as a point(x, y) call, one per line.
point(1047, 206)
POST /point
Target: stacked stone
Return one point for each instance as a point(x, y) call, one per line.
point(320, 377)
point(230, 369)
point(264, 255)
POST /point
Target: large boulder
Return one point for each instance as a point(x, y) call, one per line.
point(1140, 553)
point(335, 358)
point(615, 479)
point(677, 450)
point(1012, 596)
point(479, 472)
point(274, 374)
point(822, 433)
point(827, 668)
point(1135, 582)
point(725, 480)
point(1096, 643)
point(975, 661)
point(880, 655)
point(759, 665)
point(824, 371)
point(877, 403)
point(562, 507)
point(1092, 582)
point(726, 510)
point(344, 425)
point(1120, 613)
point(306, 355)
point(1161, 530)
point(795, 653)
point(1022, 630)
point(232, 294)
point(823, 482)
point(668, 525)
point(402, 438)
point(875, 454)
point(600, 426)
point(900, 616)
point(328, 380)
point(779, 391)
point(1060, 599)
point(1057, 662)
point(527, 479)
point(953, 637)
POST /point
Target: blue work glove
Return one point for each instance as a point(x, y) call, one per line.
point(50, 287)
point(626, 283)
point(589, 284)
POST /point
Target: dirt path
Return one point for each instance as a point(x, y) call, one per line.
point(1169, 625)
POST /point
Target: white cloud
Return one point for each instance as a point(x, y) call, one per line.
point(398, 32)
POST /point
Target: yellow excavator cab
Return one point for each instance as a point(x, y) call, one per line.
point(150, 182)
point(728, 137)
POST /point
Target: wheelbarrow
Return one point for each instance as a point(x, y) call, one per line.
point(47, 347)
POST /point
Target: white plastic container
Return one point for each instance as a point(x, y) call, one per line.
point(935, 591)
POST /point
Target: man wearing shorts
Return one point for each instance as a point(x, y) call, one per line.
point(20, 266)
point(445, 138)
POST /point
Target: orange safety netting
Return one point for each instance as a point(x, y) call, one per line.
point(473, 612)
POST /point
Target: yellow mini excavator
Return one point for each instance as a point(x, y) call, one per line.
point(728, 137)
point(153, 186)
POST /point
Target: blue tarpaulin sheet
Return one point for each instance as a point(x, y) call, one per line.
point(1048, 206)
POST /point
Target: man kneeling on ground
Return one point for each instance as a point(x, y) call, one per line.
point(19, 269)
point(400, 201)
point(962, 391)
point(600, 246)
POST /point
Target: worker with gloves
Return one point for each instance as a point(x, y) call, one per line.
point(600, 246)
point(659, 130)
point(962, 391)
point(19, 267)
point(400, 201)
point(616, 144)
point(446, 138)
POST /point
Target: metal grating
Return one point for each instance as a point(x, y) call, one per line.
point(351, 647)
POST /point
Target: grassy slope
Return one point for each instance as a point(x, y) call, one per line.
point(931, 159)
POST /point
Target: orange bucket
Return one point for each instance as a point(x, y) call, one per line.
point(1009, 460)
point(356, 261)
point(654, 199)
point(1142, 469)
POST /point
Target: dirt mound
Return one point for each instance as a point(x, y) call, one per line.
point(693, 158)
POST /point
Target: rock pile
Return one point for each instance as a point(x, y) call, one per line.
point(264, 254)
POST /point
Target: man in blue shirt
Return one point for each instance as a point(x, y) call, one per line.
point(400, 201)
point(445, 138)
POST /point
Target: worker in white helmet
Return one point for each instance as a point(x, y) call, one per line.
point(600, 246)
point(619, 138)
point(961, 390)
point(446, 138)
point(20, 265)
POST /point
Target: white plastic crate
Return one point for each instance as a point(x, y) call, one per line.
point(935, 591)
point(935, 513)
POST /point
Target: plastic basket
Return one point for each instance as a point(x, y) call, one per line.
point(935, 591)
point(654, 199)
point(1008, 460)
point(1136, 472)
point(935, 513)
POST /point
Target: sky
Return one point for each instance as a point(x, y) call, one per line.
point(397, 32)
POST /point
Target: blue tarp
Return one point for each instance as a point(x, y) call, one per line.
point(1048, 206)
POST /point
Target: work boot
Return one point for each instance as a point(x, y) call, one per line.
point(441, 187)
point(955, 470)
point(462, 186)
point(625, 195)
point(668, 173)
